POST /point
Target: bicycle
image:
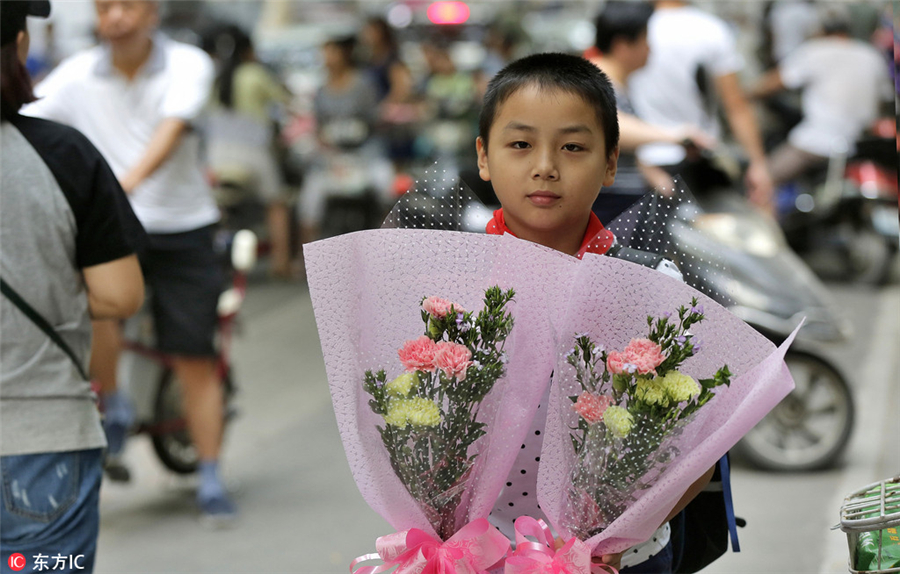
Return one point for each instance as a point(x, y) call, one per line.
point(150, 380)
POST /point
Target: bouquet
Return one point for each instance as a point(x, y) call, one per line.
point(433, 395)
point(631, 405)
point(644, 400)
point(431, 410)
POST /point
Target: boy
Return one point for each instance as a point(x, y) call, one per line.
point(548, 142)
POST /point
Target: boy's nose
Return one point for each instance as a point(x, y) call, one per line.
point(545, 168)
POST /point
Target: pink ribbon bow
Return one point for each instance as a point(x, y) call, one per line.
point(540, 557)
point(474, 549)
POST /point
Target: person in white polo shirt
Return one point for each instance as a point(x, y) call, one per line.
point(693, 67)
point(136, 97)
point(844, 82)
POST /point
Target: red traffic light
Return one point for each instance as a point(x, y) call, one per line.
point(448, 12)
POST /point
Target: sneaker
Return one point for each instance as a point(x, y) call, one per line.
point(116, 470)
point(217, 511)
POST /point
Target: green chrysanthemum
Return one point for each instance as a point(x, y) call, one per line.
point(398, 413)
point(422, 412)
point(680, 387)
point(652, 392)
point(415, 411)
point(402, 385)
point(618, 420)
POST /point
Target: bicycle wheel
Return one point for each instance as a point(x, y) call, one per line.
point(171, 439)
point(810, 428)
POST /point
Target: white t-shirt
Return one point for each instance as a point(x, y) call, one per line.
point(120, 116)
point(665, 92)
point(843, 82)
point(792, 23)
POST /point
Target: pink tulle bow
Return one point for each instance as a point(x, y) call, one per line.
point(540, 557)
point(474, 549)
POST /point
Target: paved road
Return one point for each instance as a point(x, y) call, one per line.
point(301, 512)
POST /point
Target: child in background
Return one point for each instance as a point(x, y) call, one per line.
point(548, 143)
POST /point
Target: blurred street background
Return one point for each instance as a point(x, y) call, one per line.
point(299, 510)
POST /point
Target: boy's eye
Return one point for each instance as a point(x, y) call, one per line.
point(519, 145)
point(572, 147)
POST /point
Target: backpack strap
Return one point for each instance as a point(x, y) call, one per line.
point(42, 324)
point(729, 502)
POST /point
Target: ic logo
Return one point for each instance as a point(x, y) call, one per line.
point(16, 562)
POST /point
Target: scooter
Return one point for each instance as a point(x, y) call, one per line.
point(740, 258)
point(351, 173)
point(843, 218)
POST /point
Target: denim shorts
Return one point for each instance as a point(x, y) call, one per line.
point(50, 510)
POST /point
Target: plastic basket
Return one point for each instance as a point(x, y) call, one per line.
point(874, 508)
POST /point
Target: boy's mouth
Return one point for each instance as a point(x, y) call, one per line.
point(542, 198)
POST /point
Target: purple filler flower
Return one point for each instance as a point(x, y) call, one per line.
point(698, 310)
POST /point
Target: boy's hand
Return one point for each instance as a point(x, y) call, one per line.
point(614, 560)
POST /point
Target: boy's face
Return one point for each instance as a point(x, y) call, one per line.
point(547, 161)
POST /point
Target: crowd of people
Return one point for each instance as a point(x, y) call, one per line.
point(164, 121)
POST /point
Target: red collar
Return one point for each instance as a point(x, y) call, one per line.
point(597, 239)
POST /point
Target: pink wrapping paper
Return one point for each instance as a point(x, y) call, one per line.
point(610, 301)
point(366, 288)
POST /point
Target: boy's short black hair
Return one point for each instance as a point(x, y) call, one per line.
point(552, 71)
point(621, 18)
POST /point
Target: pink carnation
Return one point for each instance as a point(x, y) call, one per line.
point(418, 354)
point(591, 407)
point(641, 356)
point(454, 359)
point(615, 363)
point(645, 355)
point(437, 307)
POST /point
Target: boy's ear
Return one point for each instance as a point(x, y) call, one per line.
point(483, 170)
point(612, 164)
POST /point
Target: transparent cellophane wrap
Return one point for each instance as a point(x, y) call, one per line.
point(366, 289)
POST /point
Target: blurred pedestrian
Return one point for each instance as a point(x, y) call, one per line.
point(500, 43)
point(393, 87)
point(622, 49)
point(450, 106)
point(346, 114)
point(693, 58)
point(241, 138)
point(790, 24)
point(136, 97)
point(69, 240)
point(844, 82)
